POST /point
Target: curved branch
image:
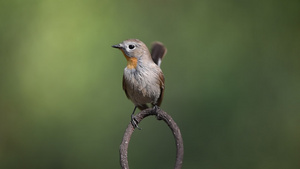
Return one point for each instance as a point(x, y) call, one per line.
point(160, 115)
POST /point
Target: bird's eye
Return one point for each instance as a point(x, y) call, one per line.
point(131, 46)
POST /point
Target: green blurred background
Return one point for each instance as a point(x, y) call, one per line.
point(232, 83)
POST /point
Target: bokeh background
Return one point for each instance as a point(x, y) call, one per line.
point(232, 83)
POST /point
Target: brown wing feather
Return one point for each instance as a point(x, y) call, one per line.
point(162, 88)
point(124, 87)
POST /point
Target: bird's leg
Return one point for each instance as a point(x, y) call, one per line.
point(133, 120)
point(155, 108)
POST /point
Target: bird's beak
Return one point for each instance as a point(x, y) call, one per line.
point(118, 46)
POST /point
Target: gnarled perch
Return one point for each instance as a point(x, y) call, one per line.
point(160, 115)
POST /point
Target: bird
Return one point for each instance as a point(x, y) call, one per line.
point(143, 79)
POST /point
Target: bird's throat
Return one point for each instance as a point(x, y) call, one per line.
point(131, 61)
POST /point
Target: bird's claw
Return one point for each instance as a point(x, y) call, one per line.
point(155, 108)
point(134, 122)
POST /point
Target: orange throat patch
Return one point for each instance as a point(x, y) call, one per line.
point(131, 61)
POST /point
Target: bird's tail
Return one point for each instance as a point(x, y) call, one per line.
point(158, 51)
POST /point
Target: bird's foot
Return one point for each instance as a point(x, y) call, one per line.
point(134, 122)
point(155, 108)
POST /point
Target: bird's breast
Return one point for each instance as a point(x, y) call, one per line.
point(142, 84)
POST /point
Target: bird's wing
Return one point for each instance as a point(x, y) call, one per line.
point(162, 88)
point(124, 87)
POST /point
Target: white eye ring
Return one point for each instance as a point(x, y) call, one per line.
point(131, 46)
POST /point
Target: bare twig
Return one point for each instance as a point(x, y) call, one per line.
point(160, 115)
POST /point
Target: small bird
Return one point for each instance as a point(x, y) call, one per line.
point(143, 80)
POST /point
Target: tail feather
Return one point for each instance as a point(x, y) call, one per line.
point(158, 51)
